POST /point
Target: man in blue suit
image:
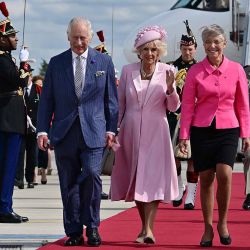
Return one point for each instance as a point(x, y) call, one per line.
point(80, 91)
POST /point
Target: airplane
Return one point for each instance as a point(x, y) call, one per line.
point(232, 15)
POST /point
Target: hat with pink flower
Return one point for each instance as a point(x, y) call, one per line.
point(149, 34)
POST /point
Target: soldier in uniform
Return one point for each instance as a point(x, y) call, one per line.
point(29, 145)
point(188, 47)
point(12, 117)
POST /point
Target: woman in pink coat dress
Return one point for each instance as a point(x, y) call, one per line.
point(145, 170)
point(214, 113)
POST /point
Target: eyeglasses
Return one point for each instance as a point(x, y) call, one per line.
point(216, 42)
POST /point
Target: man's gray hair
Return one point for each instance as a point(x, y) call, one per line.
point(82, 20)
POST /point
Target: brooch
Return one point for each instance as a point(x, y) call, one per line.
point(99, 73)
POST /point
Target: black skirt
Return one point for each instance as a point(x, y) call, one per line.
point(211, 146)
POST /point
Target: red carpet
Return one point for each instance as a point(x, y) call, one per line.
point(175, 228)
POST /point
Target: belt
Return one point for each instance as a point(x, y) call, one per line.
point(11, 93)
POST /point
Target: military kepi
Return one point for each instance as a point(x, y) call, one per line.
point(101, 48)
point(188, 39)
point(6, 27)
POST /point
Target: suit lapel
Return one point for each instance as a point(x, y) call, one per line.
point(68, 65)
point(154, 80)
point(136, 76)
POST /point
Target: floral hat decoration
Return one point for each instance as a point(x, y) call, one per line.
point(149, 34)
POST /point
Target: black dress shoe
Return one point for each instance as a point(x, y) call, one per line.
point(246, 203)
point(189, 206)
point(19, 184)
point(94, 238)
point(74, 241)
point(177, 203)
point(23, 218)
point(10, 218)
point(30, 185)
point(104, 196)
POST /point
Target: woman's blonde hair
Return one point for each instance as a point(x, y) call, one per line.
point(160, 45)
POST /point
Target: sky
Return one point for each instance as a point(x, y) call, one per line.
point(47, 20)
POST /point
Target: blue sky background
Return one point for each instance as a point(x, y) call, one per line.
point(47, 20)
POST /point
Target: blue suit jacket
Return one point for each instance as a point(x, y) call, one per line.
point(97, 107)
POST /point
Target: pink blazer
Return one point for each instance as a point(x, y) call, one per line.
point(221, 93)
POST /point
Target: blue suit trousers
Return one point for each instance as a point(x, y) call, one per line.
point(79, 169)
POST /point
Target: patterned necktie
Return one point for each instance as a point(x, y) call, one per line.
point(78, 76)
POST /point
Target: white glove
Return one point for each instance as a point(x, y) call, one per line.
point(24, 54)
point(29, 124)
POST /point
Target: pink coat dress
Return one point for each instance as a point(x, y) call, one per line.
point(144, 167)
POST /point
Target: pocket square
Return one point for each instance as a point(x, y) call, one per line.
point(99, 73)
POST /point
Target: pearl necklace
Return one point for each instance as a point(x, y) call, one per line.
point(145, 75)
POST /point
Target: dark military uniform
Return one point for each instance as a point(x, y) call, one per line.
point(12, 108)
point(12, 126)
point(172, 116)
point(29, 144)
point(12, 118)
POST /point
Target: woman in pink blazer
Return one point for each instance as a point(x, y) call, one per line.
point(215, 112)
point(144, 169)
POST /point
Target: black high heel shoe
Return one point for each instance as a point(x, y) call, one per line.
point(224, 240)
point(149, 240)
point(43, 176)
point(208, 243)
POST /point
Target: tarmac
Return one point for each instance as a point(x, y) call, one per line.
point(43, 206)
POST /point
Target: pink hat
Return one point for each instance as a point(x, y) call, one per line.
point(149, 34)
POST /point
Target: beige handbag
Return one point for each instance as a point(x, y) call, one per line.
point(177, 152)
point(108, 161)
point(181, 156)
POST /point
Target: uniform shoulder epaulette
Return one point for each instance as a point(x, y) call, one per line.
point(24, 74)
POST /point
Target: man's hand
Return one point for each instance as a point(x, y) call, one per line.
point(110, 140)
point(42, 142)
